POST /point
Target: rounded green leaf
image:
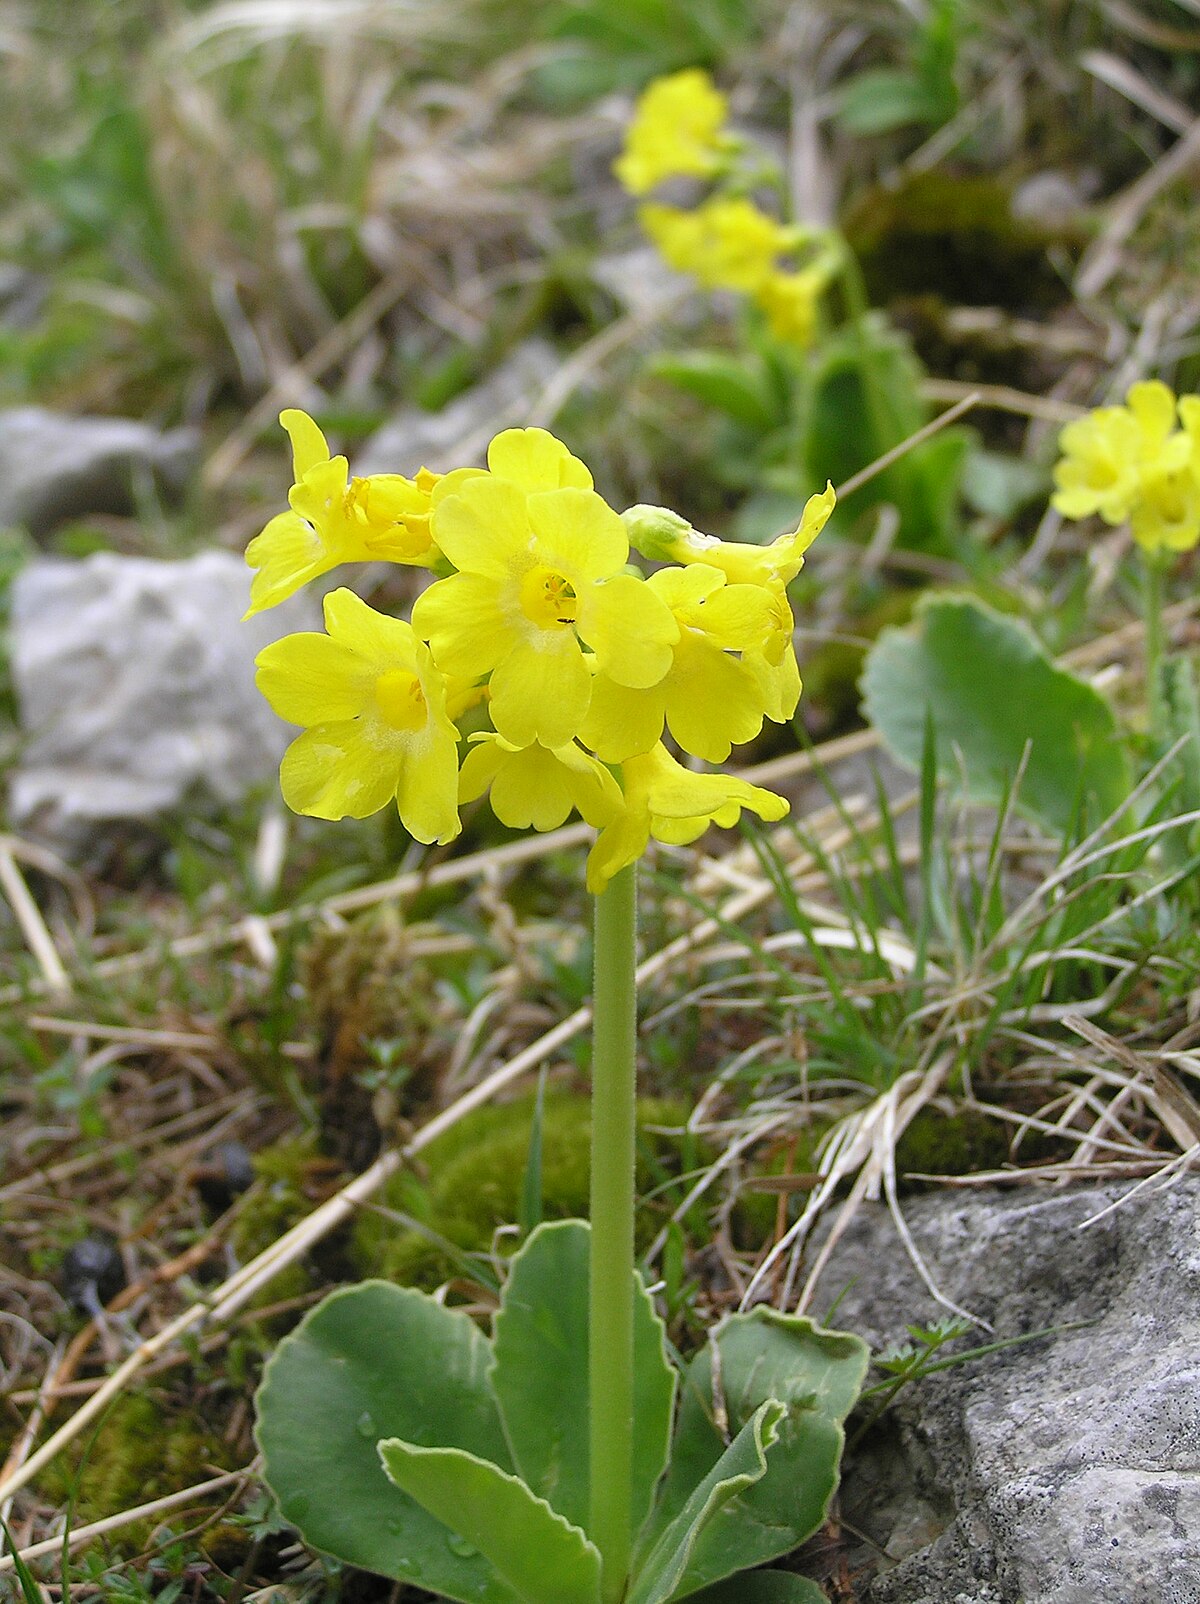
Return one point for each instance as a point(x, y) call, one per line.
point(816, 1376)
point(544, 1558)
point(379, 1361)
point(993, 694)
point(667, 1557)
point(540, 1374)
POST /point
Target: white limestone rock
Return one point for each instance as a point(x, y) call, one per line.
point(135, 686)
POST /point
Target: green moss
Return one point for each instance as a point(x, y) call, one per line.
point(470, 1183)
point(937, 1143)
point(956, 238)
point(147, 1446)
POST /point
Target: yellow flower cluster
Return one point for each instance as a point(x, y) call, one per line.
point(582, 662)
point(726, 242)
point(1138, 463)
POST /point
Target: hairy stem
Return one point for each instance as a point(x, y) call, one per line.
point(610, 1358)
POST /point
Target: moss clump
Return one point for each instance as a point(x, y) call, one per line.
point(956, 238)
point(960, 1143)
point(471, 1179)
point(384, 1023)
point(147, 1446)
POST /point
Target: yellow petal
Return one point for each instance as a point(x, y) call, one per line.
point(463, 622)
point(630, 629)
point(335, 771)
point(713, 701)
point(617, 846)
point(540, 692)
point(310, 679)
point(483, 527)
point(380, 640)
point(1153, 405)
point(622, 723)
point(578, 534)
point(535, 460)
point(308, 443)
point(287, 554)
point(427, 792)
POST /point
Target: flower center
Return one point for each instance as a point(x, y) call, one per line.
point(400, 699)
point(547, 599)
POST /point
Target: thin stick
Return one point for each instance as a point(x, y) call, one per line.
point(33, 926)
point(126, 1517)
point(856, 480)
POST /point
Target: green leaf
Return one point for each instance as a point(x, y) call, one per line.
point(998, 486)
point(531, 1185)
point(763, 1587)
point(540, 1374)
point(723, 382)
point(379, 1361)
point(865, 401)
point(885, 98)
point(817, 1376)
point(663, 1560)
point(991, 691)
point(542, 1557)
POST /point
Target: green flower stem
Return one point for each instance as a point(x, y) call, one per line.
point(610, 1354)
point(1152, 610)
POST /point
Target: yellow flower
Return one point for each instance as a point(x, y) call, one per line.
point(336, 519)
point(666, 537)
point(539, 576)
point(676, 132)
point(538, 786)
point(727, 243)
point(664, 800)
point(377, 729)
point(708, 698)
point(1107, 453)
point(1166, 514)
point(790, 302)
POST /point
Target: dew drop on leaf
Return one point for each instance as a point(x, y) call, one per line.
point(366, 1424)
point(460, 1546)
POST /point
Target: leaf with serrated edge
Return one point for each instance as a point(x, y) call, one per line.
point(540, 1374)
point(817, 1375)
point(658, 1571)
point(541, 1556)
point(376, 1361)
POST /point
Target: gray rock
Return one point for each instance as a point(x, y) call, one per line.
point(457, 436)
point(642, 283)
point(54, 467)
point(1064, 1472)
point(135, 684)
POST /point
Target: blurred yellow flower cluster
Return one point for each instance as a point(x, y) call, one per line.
point(1138, 463)
point(581, 661)
point(727, 242)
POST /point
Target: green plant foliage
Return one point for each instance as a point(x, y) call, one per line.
point(816, 1376)
point(541, 1556)
point(729, 383)
point(396, 1437)
point(376, 1362)
point(621, 44)
point(540, 1375)
point(471, 1182)
point(924, 91)
point(866, 400)
point(996, 700)
point(663, 1567)
point(763, 1587)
